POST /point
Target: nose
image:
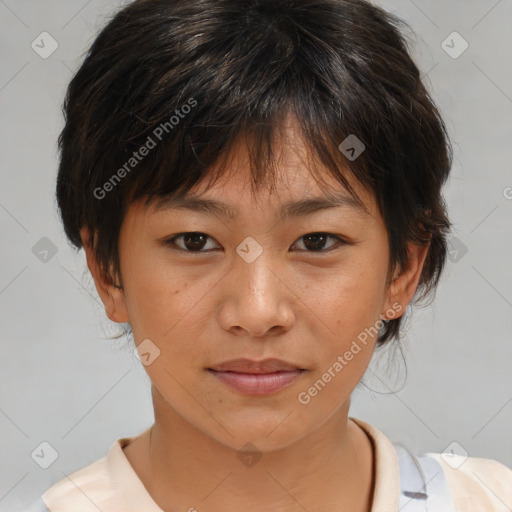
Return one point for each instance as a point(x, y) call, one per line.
point(256, 299)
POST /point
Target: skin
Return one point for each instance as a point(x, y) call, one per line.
point(293, 303)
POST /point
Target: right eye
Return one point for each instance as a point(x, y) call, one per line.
point(192, 241)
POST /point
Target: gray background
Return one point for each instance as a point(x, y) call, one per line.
point(63, 383)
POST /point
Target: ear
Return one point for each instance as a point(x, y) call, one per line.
point(112, 297)
point(405, 281)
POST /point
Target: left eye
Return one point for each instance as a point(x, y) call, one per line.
point(196, 241)
point(316, 241)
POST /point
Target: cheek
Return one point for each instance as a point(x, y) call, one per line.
point(345, 310)
point(344, 332)
point(167, 303)
point(349, 298)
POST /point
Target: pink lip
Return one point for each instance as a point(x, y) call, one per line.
point(257, 383)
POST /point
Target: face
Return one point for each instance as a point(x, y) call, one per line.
point(307, 288)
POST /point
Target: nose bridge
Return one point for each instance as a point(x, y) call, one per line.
point(253, 263)
point(257, 300)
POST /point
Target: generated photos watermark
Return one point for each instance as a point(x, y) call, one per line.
point(304, 397)
point(137, 156)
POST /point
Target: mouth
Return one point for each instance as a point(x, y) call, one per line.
point(257, 383)
point(256, 377)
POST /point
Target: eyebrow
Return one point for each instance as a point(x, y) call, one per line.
point(299, 208)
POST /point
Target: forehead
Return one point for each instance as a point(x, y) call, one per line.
point(296, 194)
point(296, 190)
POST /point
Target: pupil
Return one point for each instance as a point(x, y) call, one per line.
point(197, 241)
point(318, 241)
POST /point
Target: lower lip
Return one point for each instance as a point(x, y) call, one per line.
point(257, 383)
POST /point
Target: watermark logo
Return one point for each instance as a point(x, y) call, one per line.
point(44, 250)
point(146, 352)
point(454, 45)
point(249, 455)
point(249, 249)
point(44, 455)
point(454, 455)
point(44, 45)
point(456, 249)
point(352, 147)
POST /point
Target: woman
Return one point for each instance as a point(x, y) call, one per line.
point(257, 187)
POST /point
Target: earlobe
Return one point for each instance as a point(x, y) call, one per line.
point(111, 294)
point(405, 281)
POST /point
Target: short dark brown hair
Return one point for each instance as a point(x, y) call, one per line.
point(185, 78)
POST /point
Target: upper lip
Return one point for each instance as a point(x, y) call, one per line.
point(250, 366)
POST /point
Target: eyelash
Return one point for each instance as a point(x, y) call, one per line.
point(171, 242)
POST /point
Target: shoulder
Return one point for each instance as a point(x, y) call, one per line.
point(70, 492)
point(80, 491)
point(107, 484)
point(477, 484)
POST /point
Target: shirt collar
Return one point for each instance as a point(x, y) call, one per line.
point(386, 491)
point(386, 474)
point(130, 488)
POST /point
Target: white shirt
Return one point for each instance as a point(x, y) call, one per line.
point(110, 484)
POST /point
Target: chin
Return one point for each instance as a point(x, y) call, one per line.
point(274, 432)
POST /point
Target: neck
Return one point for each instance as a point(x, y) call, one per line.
point(182, 468)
